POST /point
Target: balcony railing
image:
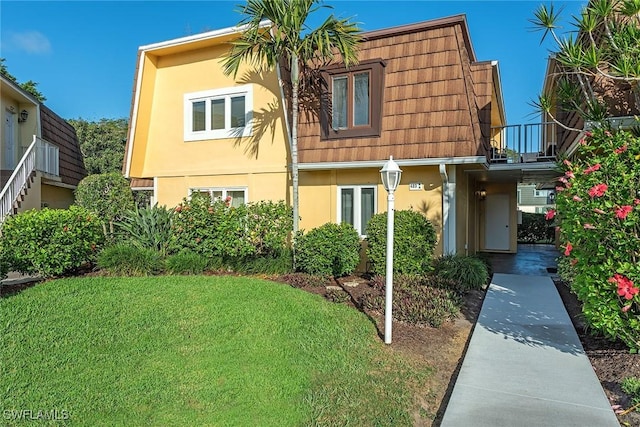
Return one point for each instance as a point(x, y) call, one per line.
point(535, 142)
point(47, 158)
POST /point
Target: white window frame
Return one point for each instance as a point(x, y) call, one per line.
point(209, 95)
point(223, 190)
point(540, 193)
point(357, 209)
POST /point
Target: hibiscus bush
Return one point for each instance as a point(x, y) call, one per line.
point(598, 215)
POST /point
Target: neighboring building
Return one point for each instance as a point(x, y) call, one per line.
point(534, 200)
point(40, 159)
point(418, 94)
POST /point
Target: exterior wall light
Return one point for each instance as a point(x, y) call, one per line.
point(24, 115)
point(390, 174)
point(481, 194)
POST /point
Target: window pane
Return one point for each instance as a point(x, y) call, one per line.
point(237, 112)
point(216, 195)
point(217, 113)
point(198, 116)
point(339, 103)
point(367, 207)
point(361, 99)
point(237, 198)
point(346, 202)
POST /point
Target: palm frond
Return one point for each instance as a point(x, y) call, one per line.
point(546, 19)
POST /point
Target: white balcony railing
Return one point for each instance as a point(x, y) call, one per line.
point(41, 156)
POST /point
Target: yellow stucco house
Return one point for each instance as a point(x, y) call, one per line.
point(40, 159)
point(418, 94)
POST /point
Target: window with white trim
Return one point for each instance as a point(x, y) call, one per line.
point(235, 196)
point(356, 205)
point(218, 113)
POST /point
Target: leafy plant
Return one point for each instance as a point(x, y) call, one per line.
point(147, 228)
point(631, 386)
point(331, 249)
point(124, 259)
point(598, 214)
point(468, 271)
point(414, 241)
point(108, 195)
point(534, 229)
point(50, 242)
point(337, 295)
point(186, 262)
point(269, 227)
point(276, 263)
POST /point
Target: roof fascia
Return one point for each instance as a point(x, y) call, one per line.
point(497, 81)
point(401, 162)
point(16, 87)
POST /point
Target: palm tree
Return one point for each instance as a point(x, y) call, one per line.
point(291, 40)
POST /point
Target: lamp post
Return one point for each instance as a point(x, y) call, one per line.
point(390, 174)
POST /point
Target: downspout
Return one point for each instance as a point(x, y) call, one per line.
point(448, 209)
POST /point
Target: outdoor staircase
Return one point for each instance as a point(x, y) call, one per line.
point(40, 156)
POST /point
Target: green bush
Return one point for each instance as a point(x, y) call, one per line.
point(414, 241)
point(535, 229)
point(280, 262)
point(50, 242)
point(210, 229)
point(419, 300)
point(598, 213)
point(186, 262)
point(331, 249)
point(147, 228)
point(269, 226)
point(123, 259)
point(468, 271)
point(108, 195)
point(631, 386)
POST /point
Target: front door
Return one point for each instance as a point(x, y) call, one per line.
point(9, 141)
point(497, 216)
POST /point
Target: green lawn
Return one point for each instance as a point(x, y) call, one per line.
point(177, 351)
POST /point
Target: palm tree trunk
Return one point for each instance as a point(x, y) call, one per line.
point(294, 142)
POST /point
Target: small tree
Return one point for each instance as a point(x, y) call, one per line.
point(108, 195)
point(597, 64)
point(102, 143)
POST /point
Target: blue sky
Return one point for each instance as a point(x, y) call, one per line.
point(83, 53)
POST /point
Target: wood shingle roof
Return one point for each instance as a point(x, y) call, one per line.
point(60, 133)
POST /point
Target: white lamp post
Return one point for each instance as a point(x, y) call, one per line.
point(390, 174)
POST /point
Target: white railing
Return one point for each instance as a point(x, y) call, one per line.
point(524, 143)
point(41, 156)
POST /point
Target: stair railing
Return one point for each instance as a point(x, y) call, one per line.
point(18, 180)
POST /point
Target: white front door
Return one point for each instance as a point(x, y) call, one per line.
point(9, 145)
point(497, 216)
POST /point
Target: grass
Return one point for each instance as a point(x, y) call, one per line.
point(167, 351)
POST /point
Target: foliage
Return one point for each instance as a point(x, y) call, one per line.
point(602, 52)
point(470, 272)
point(50, 242)
point(331, 249)
point(28, 86)
point(534, 229)
point(337, 295)
point(303, 280)
point(294, 42)
point(107, 195)
point(275, 263)
point(415, 299)
point(631, 386)
point(414, 241)
point(268, 227)
point(186, 262)
point(147, 228)
point(124, 259)
point(102, 143)
point(598, 212)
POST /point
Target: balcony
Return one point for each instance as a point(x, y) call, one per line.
point(529, 143)
point(47, 158)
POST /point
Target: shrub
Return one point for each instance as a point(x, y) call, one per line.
point(210, 229)
point(186, 262)
point(147, 228)
point(124, 259)
point(331, 249)
point(468, 271)
point(534, 229)
point(275, 263)
point(598, 213)
point(50, 242)
point(414, 241)
point(337, 295)
point(269, 226)
point(108, 195)
point(416, 300)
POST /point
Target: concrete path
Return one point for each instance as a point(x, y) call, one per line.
point(525, 365)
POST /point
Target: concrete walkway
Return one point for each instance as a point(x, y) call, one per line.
point(525, 365)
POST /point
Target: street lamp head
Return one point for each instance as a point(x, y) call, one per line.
point(390, 174)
